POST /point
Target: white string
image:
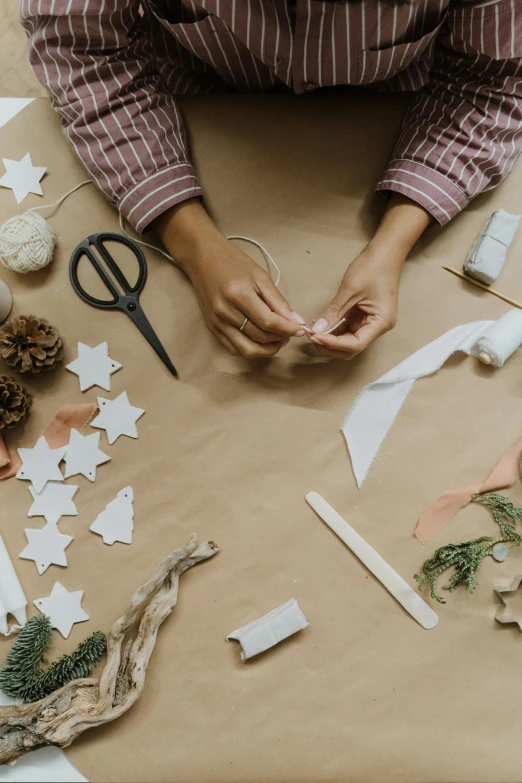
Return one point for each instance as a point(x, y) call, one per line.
point(264, 252)
point(62, 198)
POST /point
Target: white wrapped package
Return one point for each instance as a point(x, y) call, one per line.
point(260, 635)
point(488, 254)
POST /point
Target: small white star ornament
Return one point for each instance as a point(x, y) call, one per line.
point(53, 502)
point(115, 522)
point(94, 366)
point(46, 547)
point(22, 177)
point(117, 417)
point(40, 464)
point(82, 455)
point(62, 608)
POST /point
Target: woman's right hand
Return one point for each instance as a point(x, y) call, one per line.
point(229, 285)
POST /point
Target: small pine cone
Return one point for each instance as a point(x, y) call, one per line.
point(15, 402)
point(30, 344)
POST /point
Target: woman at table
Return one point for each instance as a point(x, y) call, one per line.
point(113, 68)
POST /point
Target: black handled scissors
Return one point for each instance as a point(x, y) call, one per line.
point(128, 301)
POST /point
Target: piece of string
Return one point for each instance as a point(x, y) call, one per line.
point(264, 252)
point(62, 198)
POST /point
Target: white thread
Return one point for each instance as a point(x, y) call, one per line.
point(27, 241)
point(264, 252)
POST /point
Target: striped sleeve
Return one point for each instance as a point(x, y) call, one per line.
point(97, 64)
point(463, 132)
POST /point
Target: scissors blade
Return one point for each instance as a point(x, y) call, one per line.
point(143, 324)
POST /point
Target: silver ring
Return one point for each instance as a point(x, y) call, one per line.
point(243, 324)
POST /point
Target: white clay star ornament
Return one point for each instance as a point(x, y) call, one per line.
point(115, 522)
point(40, 464)
point(117, 417)
point(82, 455)
point(46, 547)
point(53, 502)
point(22, 177)
point(63, 608)
point(94, 366)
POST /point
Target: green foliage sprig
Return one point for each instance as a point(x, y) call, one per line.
point(467, 556)
point(22, 676)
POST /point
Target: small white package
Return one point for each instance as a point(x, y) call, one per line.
point(279, 624)
point(488, 254)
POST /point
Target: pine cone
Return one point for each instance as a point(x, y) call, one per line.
point(15, 402)
point(30, 344)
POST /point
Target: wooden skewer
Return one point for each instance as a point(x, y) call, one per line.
point(484, 287)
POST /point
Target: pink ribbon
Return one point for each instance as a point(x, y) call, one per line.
point(503, 475)
point(57, 434)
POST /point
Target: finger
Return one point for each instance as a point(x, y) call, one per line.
point(265, 319)
point(259, 336)
point(343, 301)
point(235, 317)
point(225, 342)
point(275, 300)
point(352, 343)
point(247, 347)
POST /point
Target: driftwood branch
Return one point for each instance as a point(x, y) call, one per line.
point(82, 704)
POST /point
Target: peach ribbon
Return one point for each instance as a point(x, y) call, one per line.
point(503, 475)
point(56, 433)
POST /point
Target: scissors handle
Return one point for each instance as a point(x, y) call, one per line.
point(130, 292)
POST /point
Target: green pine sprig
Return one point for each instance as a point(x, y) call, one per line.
point(466, 557)
point(23, 677)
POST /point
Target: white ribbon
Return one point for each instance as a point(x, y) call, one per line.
point(379, 403)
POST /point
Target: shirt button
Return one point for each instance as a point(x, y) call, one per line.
point(309, 86)
point(278, 59)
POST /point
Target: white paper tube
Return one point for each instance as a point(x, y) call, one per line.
point(12, 598)
point(501, 339)
point(395, 584)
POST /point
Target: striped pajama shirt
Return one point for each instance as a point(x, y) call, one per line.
point(113, 69)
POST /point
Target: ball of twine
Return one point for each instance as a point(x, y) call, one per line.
point(26, 243)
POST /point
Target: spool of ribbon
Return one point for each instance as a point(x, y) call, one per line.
point(502, 339)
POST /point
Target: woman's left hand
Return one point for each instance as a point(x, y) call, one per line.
point(368, 299)
point(368, 294)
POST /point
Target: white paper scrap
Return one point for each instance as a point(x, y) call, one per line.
point(10, 107)
point(261, 634)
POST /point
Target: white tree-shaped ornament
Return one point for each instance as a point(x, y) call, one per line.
point(115, 523)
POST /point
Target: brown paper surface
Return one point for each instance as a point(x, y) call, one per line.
point(230, 449)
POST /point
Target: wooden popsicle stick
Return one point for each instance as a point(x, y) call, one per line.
point(484, 287)
point(390, 579)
